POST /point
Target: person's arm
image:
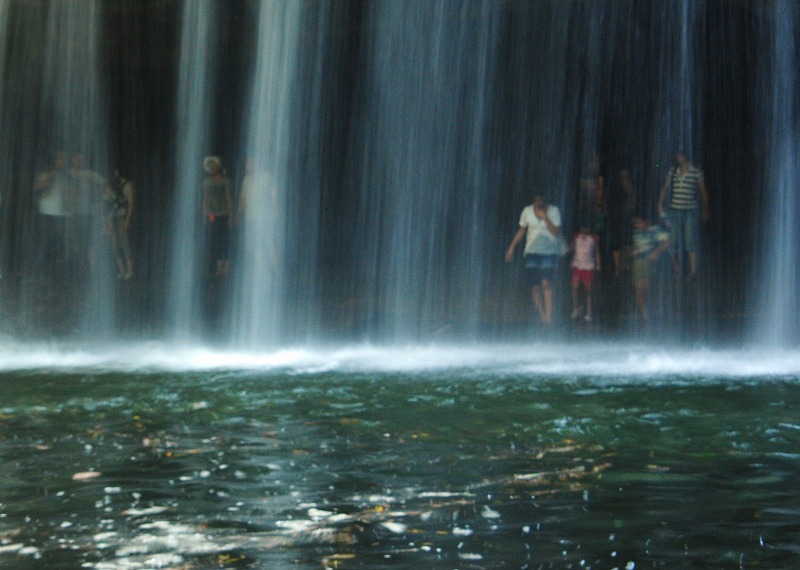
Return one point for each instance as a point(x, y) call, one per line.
point(229, 204)
point(662, 247)
point(601, 193)
point(551, 227)
point(662, 195)
point(128, 193)
point(596, 255)
point(514, 242)
point(704, 199)
point(240, 207)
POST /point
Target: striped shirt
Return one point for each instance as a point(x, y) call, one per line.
point(685, 189)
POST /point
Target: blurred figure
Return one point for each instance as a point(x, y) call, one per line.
point(585, 261)
point(593, 198)
point(257, 209)
point(217, 212)
point(120, 205)
point(86, 194)
point(688, 201)
point(649, 242)
point(52, 187)
point(257, 197)
point(593, 189)
point(621, 209)
point(540, 225)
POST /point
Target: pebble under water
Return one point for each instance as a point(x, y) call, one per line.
point(434, 468)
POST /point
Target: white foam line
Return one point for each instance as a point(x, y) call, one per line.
point(540, 359)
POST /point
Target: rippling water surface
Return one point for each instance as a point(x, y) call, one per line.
point(462, 457)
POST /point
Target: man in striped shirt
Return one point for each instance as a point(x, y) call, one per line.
point(688, 201)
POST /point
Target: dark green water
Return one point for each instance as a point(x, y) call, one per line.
point(442, 469)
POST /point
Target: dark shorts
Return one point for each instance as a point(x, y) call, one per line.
point(219, 236)
point(540, 267)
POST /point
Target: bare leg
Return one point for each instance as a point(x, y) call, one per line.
point(576, 310)
point(588, 305)
point(692, 264)
point(536, 295)
point(641, 298)
point(547, 294)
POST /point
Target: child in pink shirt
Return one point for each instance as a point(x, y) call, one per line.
point(585, 261)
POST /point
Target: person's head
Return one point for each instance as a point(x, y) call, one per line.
point(681, 159)
point(539, 201)
point(59, 160)
point(639, 222)
point(583, 221)
point(212, 165)
point(77, 160)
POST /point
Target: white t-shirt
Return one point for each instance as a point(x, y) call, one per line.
point(53, 200)
point(539, 239)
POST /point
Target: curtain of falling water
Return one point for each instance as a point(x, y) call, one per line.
point(186, 293)
point(423, 179)
point(619, 81)
point(259, 311)
point(55, 97)
point(561, 82)
point(777, 271)
point(678, 127)
point(6, 174)
point(461, 109)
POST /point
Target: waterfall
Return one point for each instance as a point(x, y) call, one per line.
point(378, 156)
point(261, 296)
point(54, 113)
point(422, 166)
point(777, 270)
point(187, 293)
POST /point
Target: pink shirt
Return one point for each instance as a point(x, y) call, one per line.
point(585, 246)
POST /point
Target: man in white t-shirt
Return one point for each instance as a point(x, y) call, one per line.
point(540, 225)
point(52, 192)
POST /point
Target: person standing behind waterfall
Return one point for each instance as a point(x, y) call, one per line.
point(258, 211)
point(52, 188)
point(120, 202)
point(86, 194)
point(217, 212)
point(648, 244)
point(687, 189)
point(540, 225)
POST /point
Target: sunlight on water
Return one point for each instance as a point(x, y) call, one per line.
point(412, 457)
point(532, 360)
